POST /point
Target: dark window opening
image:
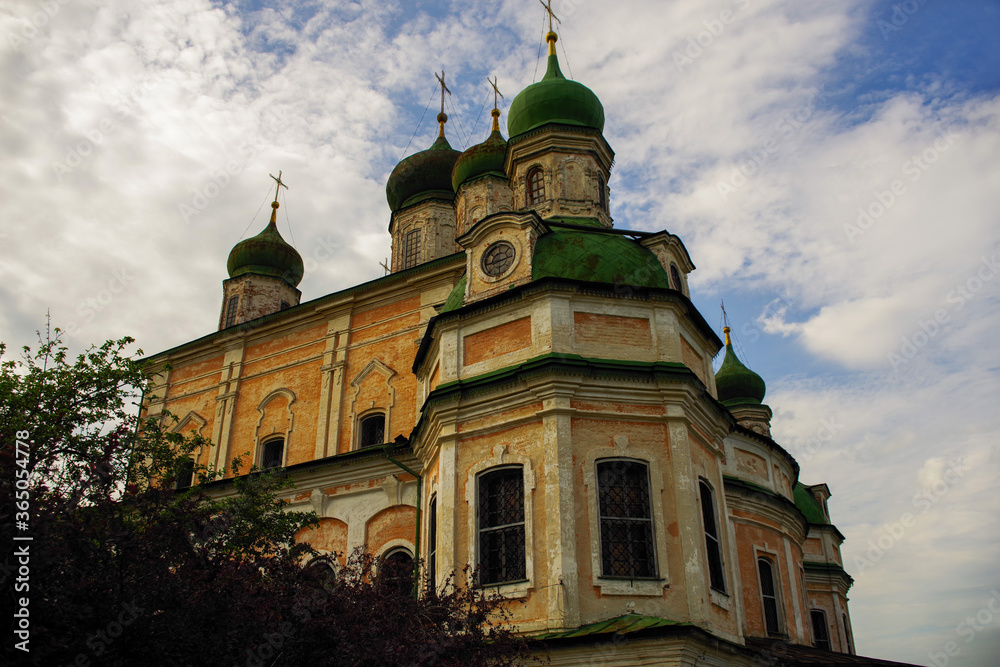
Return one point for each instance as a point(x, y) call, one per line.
point(185, 474)
point(536, 186)
point(372, 431)
point(769, 596)
point(284, 306)
point(396, 570)
point(675, 278)
point(626, 520)
point(234, 302)
point(432, 545)
point(847, 635)
point(821, 637)
point(501, 526)
point(411, 249)
point(272, 454)
point(712, 545)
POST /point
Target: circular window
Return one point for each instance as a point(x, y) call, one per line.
point(498, 258)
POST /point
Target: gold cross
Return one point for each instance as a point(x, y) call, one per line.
point(548, 8)
point(495, 90)
point(444, 88)
point(279, 185)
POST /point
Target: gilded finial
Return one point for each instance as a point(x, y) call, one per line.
point(277, 188)
point(725, 330)
point(551, 37)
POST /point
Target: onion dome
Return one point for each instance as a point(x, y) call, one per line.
point(266, 254)
point(423, 175)
point(554, 99)
point(482, 159)
point(737, 384)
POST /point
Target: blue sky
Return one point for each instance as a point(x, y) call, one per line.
point(118, 116)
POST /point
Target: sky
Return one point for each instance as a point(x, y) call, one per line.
point(832, 168)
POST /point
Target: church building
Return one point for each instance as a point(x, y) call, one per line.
point(529, 391)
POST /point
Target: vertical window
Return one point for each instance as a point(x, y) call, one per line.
point(185, 474)
point(234, 302)
point(372, 431)
point(626, 521)
point(501, 526)
point(769, 596)
point(536, 186)
point(396, 570)
point(712, 546)
point(675, 278)
point(821, 636)
point(411, 248)
point(602, 195)
point(272, 454)
point(432, 545)
point(847, 635)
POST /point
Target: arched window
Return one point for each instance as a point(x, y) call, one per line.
point(185, 474)
point(411, 248)
point(602, 195)
point(712, 545)
point(626, 519)
point(396, 569)
point(821, 636)
point(501, 526)
point(432, 544)
point(536, 186)
point(675, 278)
point(272, 454)
point(372, 431)
point(231, 308)
point(769, 596)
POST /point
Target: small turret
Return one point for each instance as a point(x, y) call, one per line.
point(742, 391)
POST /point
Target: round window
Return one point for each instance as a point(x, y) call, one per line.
point(498, 258)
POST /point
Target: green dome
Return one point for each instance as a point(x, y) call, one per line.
point(554, 99)
point(266, 254)
point(480, 160)
point(422, 176)
point(737, 384)
point(596, 257)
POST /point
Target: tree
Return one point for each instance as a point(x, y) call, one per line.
point(124, 569)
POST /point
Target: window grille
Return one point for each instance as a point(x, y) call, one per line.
point(501, 526)
point(411, 248)
point(625, 519)
point(712, 546)
point(821, 637)
point(234, 302)
point(272, 454)
point(769, 596)
point(536, 186)
point(372, 431)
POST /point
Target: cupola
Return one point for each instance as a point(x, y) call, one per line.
point(266, 254)
point(736, 384)
point(424, 175)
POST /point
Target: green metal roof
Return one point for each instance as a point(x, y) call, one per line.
point(622, 625)
point(808, 505)
point(481, 160)
point(737, 384)
point(457, 296)
point(554, 99)
point(423, 175)
point(266, 254)
point(596, 257)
